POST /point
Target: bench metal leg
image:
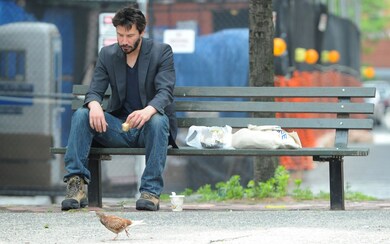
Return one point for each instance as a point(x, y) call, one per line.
point(94, 187)
point(336, 179)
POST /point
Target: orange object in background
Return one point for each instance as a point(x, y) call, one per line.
point(311, 56)
point(309, 137)
point(279, 46)
point(334, 56)
point(369, 72)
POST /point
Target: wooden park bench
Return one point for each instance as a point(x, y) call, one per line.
point(340, 109)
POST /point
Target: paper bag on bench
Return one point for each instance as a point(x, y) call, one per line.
point(209, 137)
point(267, 137)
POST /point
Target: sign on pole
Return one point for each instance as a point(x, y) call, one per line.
point(181, 41)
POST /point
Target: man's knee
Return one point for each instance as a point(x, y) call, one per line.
point(159, 121)
point(81, 114)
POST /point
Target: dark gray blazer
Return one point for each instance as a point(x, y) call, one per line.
point(156, 75)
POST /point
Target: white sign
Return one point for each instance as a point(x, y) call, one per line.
point(105, 24)
point(107, 32)
point(106, 40)
point(181, 41)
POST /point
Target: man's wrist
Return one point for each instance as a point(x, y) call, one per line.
point(93, 103)
point(151, 109)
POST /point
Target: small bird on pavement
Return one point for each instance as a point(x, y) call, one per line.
point(117, 224)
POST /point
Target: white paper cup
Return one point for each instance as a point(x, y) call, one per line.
point(177, 202)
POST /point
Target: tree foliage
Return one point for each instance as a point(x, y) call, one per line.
point(375, 19)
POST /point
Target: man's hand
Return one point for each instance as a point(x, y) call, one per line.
point(139, 117)
point(97, 121)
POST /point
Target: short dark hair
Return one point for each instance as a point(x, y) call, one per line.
point(128, 16)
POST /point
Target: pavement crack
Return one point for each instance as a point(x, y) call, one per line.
point(228, 239)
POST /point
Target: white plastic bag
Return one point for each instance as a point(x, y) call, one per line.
point(209, 137)
point(267, 137)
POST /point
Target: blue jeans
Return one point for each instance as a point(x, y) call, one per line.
point(153, 136)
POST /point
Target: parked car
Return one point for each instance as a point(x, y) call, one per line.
point(381, 99)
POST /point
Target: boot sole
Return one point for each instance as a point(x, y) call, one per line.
point(69, 204)
point(83, 203)
point(142, 204)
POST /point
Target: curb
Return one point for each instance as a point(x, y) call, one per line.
point(224, 206)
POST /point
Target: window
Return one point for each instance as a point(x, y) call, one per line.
point(12, 65)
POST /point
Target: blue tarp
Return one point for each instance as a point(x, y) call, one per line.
point(64, 20)
point(220, 59)
point(11, 12)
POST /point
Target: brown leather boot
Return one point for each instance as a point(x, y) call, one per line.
point(148, 201)
point(75, 194)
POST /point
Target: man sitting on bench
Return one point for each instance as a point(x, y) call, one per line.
point(141, 75)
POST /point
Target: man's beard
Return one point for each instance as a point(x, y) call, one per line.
point(129, 49)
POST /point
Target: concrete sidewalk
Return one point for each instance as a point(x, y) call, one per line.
point(233, 222)
point(128, 205)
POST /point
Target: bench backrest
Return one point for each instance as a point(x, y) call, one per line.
point(340, 108)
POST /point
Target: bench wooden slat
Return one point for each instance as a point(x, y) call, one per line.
point(287, 123)
point(286, 107)
point(190, 151)
point(82, 90)
point(77, 104)
point(259, 92)
point(282, 107)
point(80, 102)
